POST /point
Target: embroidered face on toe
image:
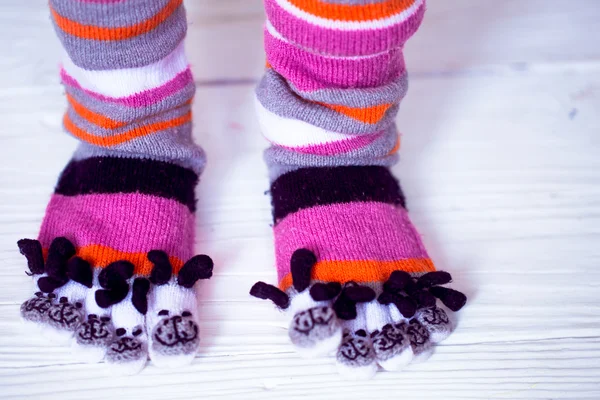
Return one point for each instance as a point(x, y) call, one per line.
point(172, 321)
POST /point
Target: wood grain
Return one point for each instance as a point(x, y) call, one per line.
point(499, 164)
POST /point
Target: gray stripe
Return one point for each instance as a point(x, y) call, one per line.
point(275, 95)
point(102, 132)
point(281, 160)
point(129, 53)
point(173, 145)
point(125, 13)
point(123, 113)
point(393, 92)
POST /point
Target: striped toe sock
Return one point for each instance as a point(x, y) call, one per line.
point(114, 259)
point(352, 268)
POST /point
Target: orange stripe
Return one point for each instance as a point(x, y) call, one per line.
point(107, 141)
point(93, 117)
point(118, 33)
point(347, 12)
point(396, 146)
point(361, 270)
point(101, 256)
point(369, 115)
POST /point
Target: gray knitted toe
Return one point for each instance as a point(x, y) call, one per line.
point(436, 321)
point(356, 350)
point(177, 335)
point(418, 336)
point(390, 341)
point(126, 349)
point(312, 326)
point(95, 332)
point(64, 315)
point(36, 309)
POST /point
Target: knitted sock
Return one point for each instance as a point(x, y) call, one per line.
point(119, 228)
point(352, 269)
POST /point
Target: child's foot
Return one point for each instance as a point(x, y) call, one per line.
point(353, 271)
point(100, 280)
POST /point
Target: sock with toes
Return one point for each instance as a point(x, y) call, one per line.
point(129, 188)
point(327, 103)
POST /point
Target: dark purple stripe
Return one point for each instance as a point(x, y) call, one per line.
point(129, 175)
point(309, 187)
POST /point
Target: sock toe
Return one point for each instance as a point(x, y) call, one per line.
point(315, 331)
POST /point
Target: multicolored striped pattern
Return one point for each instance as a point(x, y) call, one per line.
point(128, 84)
point(335, 78)
point(327, 103)
point(130, 186)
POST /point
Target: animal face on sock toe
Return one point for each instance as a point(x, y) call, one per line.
point(95, 331)
point(390, 341)
point(355, 350)
point(64, 315)
point(128, 346)
point(36, 308)
point(177, 334)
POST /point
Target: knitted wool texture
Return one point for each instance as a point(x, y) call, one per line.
point(348, 258)
point(127, 192)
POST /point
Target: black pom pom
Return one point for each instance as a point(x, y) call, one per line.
point(301, 265)
point(108, 297)
point(269, 292)
point(453, 299)
point(139, 294)
point(423, 298)
point(197, 267)
point(115, 273)
point(397, 281)
point(344, 307)
point(386, 298)
point(80, 271)
point(406, 306)
point(32, 250)
point(434, 278)
point(359, 294)
point(162, 270)
point(61, 249)
point(48, 284)
point(325, 291)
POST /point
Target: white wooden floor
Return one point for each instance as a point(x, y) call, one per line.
point(500, 163)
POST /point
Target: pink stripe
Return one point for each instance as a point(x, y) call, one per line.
point(338, 42)
point(342, 146)
point(310, 71)
point(142, 99)
point(129, 222)
point(351, 231)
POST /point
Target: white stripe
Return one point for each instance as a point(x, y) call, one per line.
point(350, 25)
point(129, 81)
point(292, 132)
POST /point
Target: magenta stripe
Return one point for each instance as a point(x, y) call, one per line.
point(309, 71)
point(338, 42)
point(351, 231)
point(129, 222)
point(341, 146)
point(142, 99)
